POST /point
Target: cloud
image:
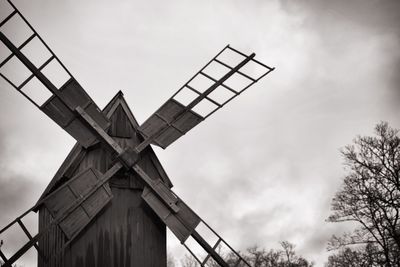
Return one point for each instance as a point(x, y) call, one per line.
point(268, 159)
point(346, 26)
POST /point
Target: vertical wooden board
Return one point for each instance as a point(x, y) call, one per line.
point(43, 242)
point(106, 161)
point(71, 169)
point(140, 232)
point(51, 242)
point(103, 228)
point(82, 184)
point(135, 182)
point(97, 158)
point(135, 224)
point(59, 242)
point(74, 222)
point(114, 217)
point(59, 201)
point(120, 124)
point(147, 240)
point(89, 244)
point(148, 166)
point(156, 239)
point(77, 249)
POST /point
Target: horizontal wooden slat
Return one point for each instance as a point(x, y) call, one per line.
point(19, 48)
point(208, 98)
point(241, 73)
point(222, 84)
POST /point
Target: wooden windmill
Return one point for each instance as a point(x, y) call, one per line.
point(110, 202)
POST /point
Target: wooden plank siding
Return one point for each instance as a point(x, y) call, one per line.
point(126, 232)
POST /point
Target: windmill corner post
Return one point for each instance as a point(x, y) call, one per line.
point(110, 201)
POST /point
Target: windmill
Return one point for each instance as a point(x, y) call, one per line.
point(110, 201)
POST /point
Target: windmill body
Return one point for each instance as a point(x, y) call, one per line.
point(126, 232)
point(110, 202)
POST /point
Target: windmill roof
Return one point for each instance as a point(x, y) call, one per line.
point(119, 110)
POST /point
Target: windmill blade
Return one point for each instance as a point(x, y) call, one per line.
point(190, 105)
point(80, 199)
point(184, 224)
point(58, 103)
point(72, 206)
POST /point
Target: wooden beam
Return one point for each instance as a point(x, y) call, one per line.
point(196, 236)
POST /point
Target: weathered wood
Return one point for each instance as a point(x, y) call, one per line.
point(162, 129)
point(78, 154)
point(214, 248)
point(159, 187)
point(126, 232)
point(120, 125)
point(100, 133)
point(182, 223)
point(56, 203)
point(76, 202)
point(74, 222)
point(209, 249)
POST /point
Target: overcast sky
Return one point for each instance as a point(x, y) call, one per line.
point(264, 168)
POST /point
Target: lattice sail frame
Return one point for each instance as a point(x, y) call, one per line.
point(174, 118)
point(60, 102)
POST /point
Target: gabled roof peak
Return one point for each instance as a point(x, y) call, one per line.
point(117, 100)
point(120, 111)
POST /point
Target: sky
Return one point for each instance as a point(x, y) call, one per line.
point(265, 167)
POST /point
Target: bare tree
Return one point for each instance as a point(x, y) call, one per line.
point(368, 256)
point(258, 257)
point(370, 194)
point(288, 249)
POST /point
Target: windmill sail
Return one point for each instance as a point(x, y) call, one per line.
point(58, 103)
point(184, 224)
point(175, 118)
